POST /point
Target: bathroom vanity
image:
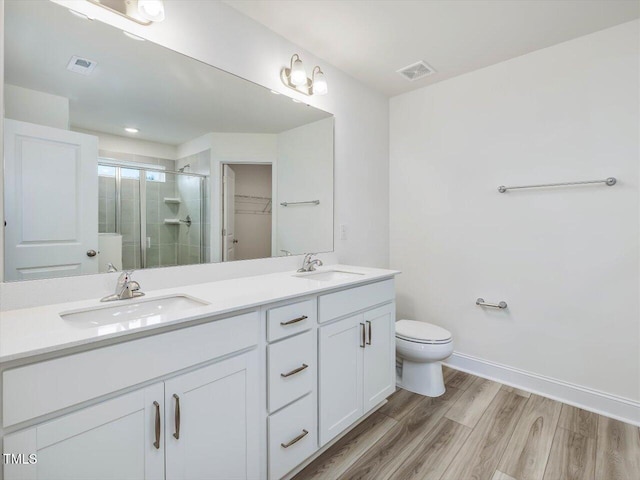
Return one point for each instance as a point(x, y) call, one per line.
point(245, 378)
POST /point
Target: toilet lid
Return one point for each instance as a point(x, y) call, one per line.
point(421, 332)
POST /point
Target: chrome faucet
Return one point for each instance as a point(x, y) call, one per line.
point(125, 288)
point(309, 265)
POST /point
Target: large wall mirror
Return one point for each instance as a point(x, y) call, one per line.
point(120, 153)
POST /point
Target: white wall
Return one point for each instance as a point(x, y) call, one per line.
point(565, 259)
point(135, 146)
point(32, 106)
point(305, 173)
point(219, 35)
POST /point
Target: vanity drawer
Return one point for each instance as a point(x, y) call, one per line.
point(290, 319)
point(292, 437)
point(345, 302)
point(291, 368)
point(45, 387)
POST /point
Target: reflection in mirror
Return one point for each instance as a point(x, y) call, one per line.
point(122, 154)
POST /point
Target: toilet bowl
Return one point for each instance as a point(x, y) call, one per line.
point(420, 347)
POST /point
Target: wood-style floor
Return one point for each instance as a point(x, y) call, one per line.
point(481, 430)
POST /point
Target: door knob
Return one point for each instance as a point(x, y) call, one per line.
point(91, 253)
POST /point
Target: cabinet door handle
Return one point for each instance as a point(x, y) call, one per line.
point(157, 442)
point(177, 417)
point(369, 328)
point(293, 372)
point(295, 440)
point(363, 342)
point(295, 320)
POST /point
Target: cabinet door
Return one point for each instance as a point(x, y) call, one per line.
point(379, 355)
point(212, 421)
point(341, 347)
point(114, 439)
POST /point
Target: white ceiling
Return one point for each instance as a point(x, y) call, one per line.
point(370, 40)
point(170, 97)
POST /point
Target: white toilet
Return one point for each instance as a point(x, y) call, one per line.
point(420, 347)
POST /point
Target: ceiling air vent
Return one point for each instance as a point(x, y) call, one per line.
point(82, 66)
point(416, 71)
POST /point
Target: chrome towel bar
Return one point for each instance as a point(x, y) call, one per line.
point(480, 302)
point(309, 202)
point(611, 181)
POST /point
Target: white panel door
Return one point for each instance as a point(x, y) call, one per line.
point(51, 201)
point(379, 355)
point(212, 422)
point(114, 439)
point(229, 214)
point(341, 355)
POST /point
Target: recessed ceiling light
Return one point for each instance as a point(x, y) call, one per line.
point(131, 130)
point(135, 37)
point(80, 15)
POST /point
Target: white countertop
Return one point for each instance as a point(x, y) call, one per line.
point(35, 331)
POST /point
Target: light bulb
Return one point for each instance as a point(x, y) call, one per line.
point(152, 10)
point(298, 75)
point(319, 84)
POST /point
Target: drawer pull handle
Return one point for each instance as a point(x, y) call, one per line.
point(369, 325)
point(364, 341)
point(295, 320)
point(157, 442)
point(177, 417)
point(293, 372)
point(295, 440)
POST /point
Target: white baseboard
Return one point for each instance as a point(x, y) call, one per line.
point(595, 401)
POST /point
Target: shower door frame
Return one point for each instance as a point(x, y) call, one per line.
point(142, 186)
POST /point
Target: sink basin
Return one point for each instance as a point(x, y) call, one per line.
point(329, 275)
point(132, 313)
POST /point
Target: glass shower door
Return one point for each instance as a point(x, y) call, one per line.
point(119, 219)
point(174, 213)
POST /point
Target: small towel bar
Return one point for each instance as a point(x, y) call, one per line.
point(480, 302)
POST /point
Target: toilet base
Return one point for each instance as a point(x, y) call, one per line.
point(422, 378)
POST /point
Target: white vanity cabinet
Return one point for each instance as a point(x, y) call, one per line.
point(201, 424)
point(113, 439)
point(291, 385)
point(199, 418)
point(249, 395)
point(211, 428)
point(357, 356)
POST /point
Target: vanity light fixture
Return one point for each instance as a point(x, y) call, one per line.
point(152, 10)
point(318, 82)
point(143, 12)
point(131, 130)
point(295, 77)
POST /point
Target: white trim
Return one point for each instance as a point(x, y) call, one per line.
point(595, 401)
